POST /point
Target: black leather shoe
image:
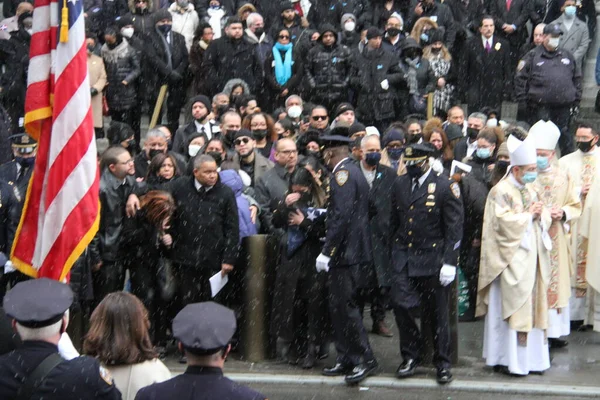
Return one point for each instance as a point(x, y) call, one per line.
point(361, 372)
point(337, 370)
point(407, 368)
point(323, 351)
point(557, 343)
point(444, 376)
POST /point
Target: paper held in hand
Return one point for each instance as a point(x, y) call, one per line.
point(217, 282)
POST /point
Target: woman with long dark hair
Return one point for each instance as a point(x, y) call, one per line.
point(262, 127)
point(283, 70)
point(163, 168)
point(118, 337)
point(300, 299)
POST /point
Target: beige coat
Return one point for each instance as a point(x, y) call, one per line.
point(97, 81)
point(512, 251)
point(556, 188)
point(129, 379)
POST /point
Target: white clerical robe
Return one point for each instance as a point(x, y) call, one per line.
point(513, 278)
point(555, 188)
point(585, 169)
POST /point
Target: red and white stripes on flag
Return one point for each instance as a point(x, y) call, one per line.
point(61, 211)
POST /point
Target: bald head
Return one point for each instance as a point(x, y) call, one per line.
point(538, 34)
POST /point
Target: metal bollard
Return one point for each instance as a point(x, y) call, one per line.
point(427, 330)
point(260, 252)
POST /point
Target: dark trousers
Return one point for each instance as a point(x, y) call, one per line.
point(175, 101)
point(470, 267)
point(561, 116)
point(378, 297)
point(193, 284)
point(426, 292)
point(145, 286)
point(110, 278)
point(351, 339)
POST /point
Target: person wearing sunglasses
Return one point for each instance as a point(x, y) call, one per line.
point(319, 119)
point(282, 69)
point(247, 157)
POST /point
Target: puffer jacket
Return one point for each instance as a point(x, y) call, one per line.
point(122, 64)
point(327, 69)
point(143, 20)
point(232, 179)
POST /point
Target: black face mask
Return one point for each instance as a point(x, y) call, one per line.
point(502, 165)
point(414, 171)
point(305, 198)
point(217, 156)
point(472, 133)
point(585, 146)
point(311, 153)
point(259, 134)
point(25, 162)
point(435, 50)
point(131, 143)
point(90, 48)
point(393, 32)
point(416, 137)
point(258, 32)
point(154, 152)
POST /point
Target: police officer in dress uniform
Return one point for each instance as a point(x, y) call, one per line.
point(204, 331)
point(9, 220)
point(38, 309)
point(427, 223)
point(347, 249)
point(18, 171)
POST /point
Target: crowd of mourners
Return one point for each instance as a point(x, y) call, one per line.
point(331, 127)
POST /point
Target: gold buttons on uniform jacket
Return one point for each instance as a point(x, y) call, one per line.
point(412, 207)
point(409, 233)
point(410, 220)
point(410, 245)
point(434, 244)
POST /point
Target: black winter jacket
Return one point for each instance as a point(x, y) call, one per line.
point(122, 63)
point(327, 71)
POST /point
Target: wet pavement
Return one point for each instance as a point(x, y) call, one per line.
point(575, 370)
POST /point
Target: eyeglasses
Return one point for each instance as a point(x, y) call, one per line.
point(319, 117)
point(284, 37)
point(240, 141)
point(130, 161)
point(288, 152)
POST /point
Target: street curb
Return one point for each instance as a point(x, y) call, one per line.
point(456, 385)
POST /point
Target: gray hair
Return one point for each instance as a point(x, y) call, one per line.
point(201, 159)
point(365, 139)
point(156, 133)
point(479, 116)
point(42, 333)
point(252, 18)
point(216, 96)
point(292, 97)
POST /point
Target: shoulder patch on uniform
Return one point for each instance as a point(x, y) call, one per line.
point(521, 65)
point(565, 61)
point(455, 190)
point(106, 375)
point(341, 177)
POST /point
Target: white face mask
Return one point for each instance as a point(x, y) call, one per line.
point(193, 149)
point(127, 32)
point(492, 122)
point(294, 111)
point(30, 31)
point(350, 26)
point(553, 42)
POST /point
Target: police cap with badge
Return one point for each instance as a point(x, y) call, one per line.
point(204, 328)
point(37, 303)
point(338, 137)
point(418, 152)
point(23, 143)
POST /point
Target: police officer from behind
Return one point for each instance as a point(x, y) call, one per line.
point(204, 331)
point(39, 312)
point(548, 85)
point(18, 171)
point(427, 223)
point(347, 248)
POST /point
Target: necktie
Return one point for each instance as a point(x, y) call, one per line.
point(416, 185)
point(508, 5)
point(202, 190)
point(487, 46)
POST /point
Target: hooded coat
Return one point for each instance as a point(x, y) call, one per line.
point(143, 20)
point(232, 179)
point(327, 70)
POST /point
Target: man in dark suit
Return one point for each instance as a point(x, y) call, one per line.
point(511, 17)
point(485, 69)
point(427, 222)
point(381, 180)
point(203, 332)
point(347, 248)
point(167, 55)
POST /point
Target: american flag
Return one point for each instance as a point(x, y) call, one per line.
point(61, 212)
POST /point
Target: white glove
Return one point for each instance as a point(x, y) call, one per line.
point(323, 263)
point(447, 274)
point(385, 85)
point(9, 267)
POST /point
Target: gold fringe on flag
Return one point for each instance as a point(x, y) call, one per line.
point(64, 23)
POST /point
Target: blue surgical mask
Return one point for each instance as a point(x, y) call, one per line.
point(483, 153)
point(542, 163)
point(395, 154)
point(529, 177)
point(372, 159)
point(425, 37)
point(570, 11)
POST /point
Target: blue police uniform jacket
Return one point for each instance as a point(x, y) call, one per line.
point(199, 383)
point(348, 238)
point(427, 224)
point(79, 378)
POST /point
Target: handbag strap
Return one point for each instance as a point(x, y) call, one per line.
point(35, 379)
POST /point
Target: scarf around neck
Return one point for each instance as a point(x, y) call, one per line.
point(283, 69)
